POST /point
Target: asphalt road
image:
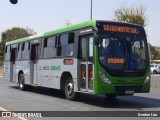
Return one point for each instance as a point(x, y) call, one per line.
point(43, 99)
point(155, 81)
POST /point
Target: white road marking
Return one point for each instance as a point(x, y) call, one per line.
point(21, 118)
point(3, 109)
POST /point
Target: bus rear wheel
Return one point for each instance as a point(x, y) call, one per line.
point(69, 89)
point(22, 85)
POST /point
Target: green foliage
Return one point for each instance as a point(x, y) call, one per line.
point(16, 33)
point(131, 14)
point(12, 34)
point(155, 53)
point(158, 56)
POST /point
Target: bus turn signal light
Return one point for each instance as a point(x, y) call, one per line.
point(68, 61)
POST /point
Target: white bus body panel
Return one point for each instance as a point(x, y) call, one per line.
point(47, 74)
point(7, 70)
point(50, 71)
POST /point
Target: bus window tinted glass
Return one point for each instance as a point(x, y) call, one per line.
point(23, 45)
point(71, 38)
point(121, 51)
point(6, 50)
point(64, 39)
point(90, 46)
point(51, 42)
point(83, 47)
point(50, 49)
point(66, 45)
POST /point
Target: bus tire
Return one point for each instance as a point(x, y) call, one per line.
point(22, 85)
point(69, 89)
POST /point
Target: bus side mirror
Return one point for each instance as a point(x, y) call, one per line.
point(14, 1)
point(96, 42)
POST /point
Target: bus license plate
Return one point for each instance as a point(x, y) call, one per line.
point(128, 92)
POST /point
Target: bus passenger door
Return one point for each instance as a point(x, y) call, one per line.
point(33, 63)
point(86, 58)
point(13, 64)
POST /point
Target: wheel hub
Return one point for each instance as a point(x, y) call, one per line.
point(21, 85)
point(69, 88)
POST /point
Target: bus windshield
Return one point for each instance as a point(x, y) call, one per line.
point(123, 51)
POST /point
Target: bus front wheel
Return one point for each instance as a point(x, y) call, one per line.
point(69, 89)
point(22, 85)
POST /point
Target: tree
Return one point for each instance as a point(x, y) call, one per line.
point(131, 14)
point(155, 53)
point(12, 34)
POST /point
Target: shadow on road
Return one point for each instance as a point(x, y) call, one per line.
point(44, 91)
point(136, 102)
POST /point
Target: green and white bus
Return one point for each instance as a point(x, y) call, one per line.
point(96, 57)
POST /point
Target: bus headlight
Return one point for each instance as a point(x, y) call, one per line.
point(103, 77)
point(147, 79)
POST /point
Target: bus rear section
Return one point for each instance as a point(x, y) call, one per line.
point(121, 59)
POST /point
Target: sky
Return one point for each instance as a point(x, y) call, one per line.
point(46, 15)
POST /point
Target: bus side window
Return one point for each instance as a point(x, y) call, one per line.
point(18, 46)
point(13, 55)
point(64, 42)
point(9, 49)
point(58, 46)
point(6, 49)
point(70, 47)
point(23, 46)
point(83, 49)
point(45, 42)
point(19, 51)
point(22, 50)
point(7, 53)
point(29, 45)
point(49, 47)
point(25, 50)
point(33, 53)
point(91, 48)
point(66, 45)
point(71, 38)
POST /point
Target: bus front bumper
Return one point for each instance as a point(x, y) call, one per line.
point(122, 89)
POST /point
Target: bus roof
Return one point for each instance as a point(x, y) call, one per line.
point(90, 23)
point(65, 29)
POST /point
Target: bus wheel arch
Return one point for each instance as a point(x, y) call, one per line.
point(19, 73)
point(67, 85)
point(21, 80)
point(63, 79)
point(154, 71)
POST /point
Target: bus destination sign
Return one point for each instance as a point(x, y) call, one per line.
point(116, 28)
